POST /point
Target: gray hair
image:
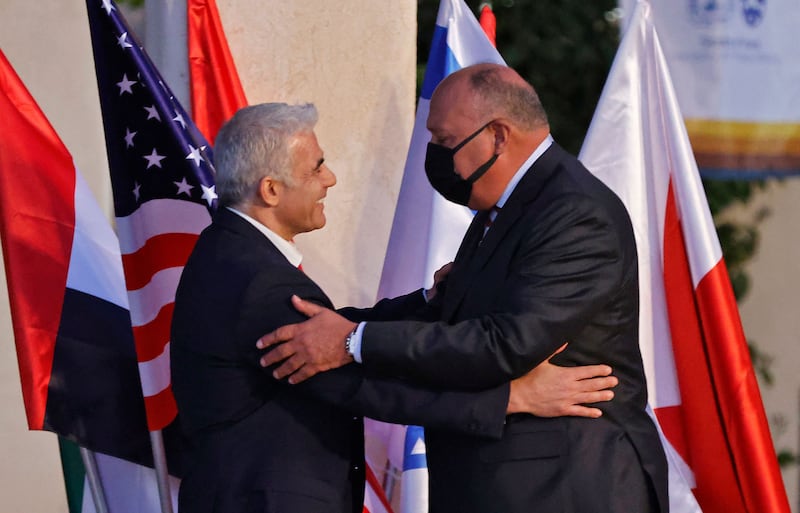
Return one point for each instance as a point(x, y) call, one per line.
point(515, 99)
point(256, 143)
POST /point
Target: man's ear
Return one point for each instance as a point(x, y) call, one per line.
point(269, 191)
point(502, 131)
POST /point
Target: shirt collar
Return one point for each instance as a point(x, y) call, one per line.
point(287, 249)
point(523, 169)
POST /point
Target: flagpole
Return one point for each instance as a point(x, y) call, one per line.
point(162, 473)
point(167, 24)
point(95, 484)
point(389, 480)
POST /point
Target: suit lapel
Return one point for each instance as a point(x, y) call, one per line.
point(474, 254)
point(457, 282)
point(268, 254)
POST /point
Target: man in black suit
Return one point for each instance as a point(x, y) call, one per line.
point(558, 262)
point(256, 444)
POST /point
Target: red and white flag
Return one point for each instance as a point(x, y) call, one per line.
point(700, 379)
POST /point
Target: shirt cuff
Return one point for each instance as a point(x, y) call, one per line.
point(355, 342)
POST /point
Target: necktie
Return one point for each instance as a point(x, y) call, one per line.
point(490, 219)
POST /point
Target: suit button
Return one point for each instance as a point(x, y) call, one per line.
point(356, 468)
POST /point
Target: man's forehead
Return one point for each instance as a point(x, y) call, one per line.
point(450, 105)
point(448, 116)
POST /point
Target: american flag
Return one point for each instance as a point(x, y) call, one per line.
point(163, 187)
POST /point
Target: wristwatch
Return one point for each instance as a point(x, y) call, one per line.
point(348, 341)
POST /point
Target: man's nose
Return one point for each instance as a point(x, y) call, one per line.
point(328, 178)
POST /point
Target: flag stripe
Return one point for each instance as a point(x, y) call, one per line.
point(37, 235)
point(169, 250)
point(94, 266)
point(736, 388)
point(160, 217)
point(155, 373)
point(153, 336)
point(147, 301)
point(95, 396)
point(465, 37)
point(161, 408)
point(435, 69)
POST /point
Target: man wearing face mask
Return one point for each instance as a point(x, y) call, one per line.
point(550, 256)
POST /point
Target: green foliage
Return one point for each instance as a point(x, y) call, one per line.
point(131, 3)
point(786, 458)
point(762, 363)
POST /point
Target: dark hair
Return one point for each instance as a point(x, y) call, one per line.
point(515, 99)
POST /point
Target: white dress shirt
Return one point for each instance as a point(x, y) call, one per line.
point(287, 248)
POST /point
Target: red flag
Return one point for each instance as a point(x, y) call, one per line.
point(216, 90)
point(36, 251)
point(701, 381)
point(489, 23)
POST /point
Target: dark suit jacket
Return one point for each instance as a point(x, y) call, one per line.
point(254, 444)
point(558, 264)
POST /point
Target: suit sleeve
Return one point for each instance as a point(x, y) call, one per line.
point(566, 269)
point(394, 309)
point(266, 306)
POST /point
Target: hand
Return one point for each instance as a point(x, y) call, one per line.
point(309, 347)
point(552, 391)
point(438, 277)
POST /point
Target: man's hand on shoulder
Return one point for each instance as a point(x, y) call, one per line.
point(552, 391)
point(308, 347)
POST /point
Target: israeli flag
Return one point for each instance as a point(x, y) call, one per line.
point(414, 498)
point(427, 229)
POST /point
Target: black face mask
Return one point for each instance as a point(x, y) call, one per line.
point(441, 170)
